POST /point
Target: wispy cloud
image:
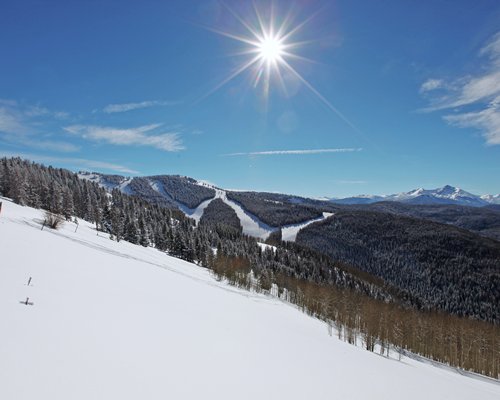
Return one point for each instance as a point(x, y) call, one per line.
point(294, 152)
point(73, 162)
point(431, 84)
point(475, 97)
point(20, 125)
point(488, 120)
point(139, 136)
point(350, 182)
point(11, 120)
point(42, 144)
point(118, 108)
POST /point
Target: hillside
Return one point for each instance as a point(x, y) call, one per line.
point(436, 265)
point(483, 220)
point(116, 320)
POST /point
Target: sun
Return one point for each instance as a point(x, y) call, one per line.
point(271, 49)
point(270, 46)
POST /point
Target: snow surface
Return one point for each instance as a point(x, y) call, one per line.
point(251, 225)
point(492, 199)
point(289, 232)
point(104, 183)
point(124, 186)
point(265, 246)
point(118, 321)
point(194, 213)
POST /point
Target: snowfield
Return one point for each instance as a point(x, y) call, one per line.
point(118, 321)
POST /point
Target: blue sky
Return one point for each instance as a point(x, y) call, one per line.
point(393, 95)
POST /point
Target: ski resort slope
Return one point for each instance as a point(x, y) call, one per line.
point(289, 232)
point(117, 321)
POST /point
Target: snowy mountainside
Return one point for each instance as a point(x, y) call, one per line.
point(192, 197)
point(491, 199)
point(445, 195)
point(119, 321)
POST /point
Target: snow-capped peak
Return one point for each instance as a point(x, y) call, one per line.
point(490, 198)
point(444, 195)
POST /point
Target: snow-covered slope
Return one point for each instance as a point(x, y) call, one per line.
point(491, 199)
point(109, 182)
point(250, 223)
point(117, 321)
point(445, 195)
point(289, 232)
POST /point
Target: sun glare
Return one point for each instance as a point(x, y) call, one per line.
point(271, 49)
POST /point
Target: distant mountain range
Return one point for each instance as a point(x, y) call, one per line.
point(445, 195)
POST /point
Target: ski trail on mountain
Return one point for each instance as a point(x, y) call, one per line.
point(289, 232)
point(251, 225)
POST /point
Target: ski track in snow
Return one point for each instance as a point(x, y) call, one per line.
point(124, 186)
point(194, 213)
point(250, 223)
point(289, 232)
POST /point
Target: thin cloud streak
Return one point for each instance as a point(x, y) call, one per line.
point(20, 126)
point(48, 145)
point(294, 152)
point(124, 107)
point(350, 182)
point(12, 120)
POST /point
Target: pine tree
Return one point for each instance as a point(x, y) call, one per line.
point(131, 231)
point(17, 187)
point(116, 223)
point(144, 234)
point(68, 207)
point(55, 198)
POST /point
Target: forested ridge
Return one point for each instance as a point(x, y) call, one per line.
point(273, 212)
point(222, 218)
point(165, 190)
point(357, 303)
point(142, 188)
point(436, 265)
point(483, 220)
point(184, 190)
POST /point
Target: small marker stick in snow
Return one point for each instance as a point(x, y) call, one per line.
point(29, 282)
point(27, 302)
